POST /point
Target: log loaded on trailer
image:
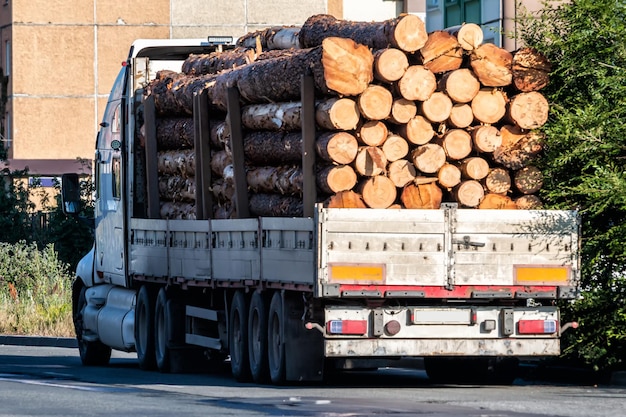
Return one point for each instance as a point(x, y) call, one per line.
point(325, 204)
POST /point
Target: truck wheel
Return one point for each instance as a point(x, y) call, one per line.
point(238, 338)
point(275, 340)
point(257, 338)
point(162, 331)
point(144, 329)
point(91, 353)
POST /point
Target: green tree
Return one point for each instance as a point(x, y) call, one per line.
point(585, 159)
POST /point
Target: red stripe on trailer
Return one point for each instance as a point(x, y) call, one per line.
point(459, 291)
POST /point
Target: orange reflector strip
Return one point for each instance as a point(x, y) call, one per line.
point(542, 274)
point(357, 273)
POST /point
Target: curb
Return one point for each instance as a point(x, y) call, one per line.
point(62, 342)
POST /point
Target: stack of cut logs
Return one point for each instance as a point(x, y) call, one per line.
point(404, 118)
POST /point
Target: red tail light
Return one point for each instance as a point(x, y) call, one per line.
point(357, 327)
point(537, 326)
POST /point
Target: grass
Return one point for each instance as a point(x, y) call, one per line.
point(35, 292)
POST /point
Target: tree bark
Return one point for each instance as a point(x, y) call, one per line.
point(373, 133)
point(489, 106)
point(219, 161)
point(176, 210)
point(390, 64)
point(528, 180)
point(370, 161)
point(492, 65)
point(337, 114)
point(181, 162)
point(437, 107)
point(449, 176)
point(401, 172)
point(272, 116)
point(486, 138)
point(417, 83)
point(474, 168)
point(442, 52)
point(345, 199)
point(498, 181)
point(275, 205)
point(278, 37)
point(457, 144)
point(375, 102)
point(460, 85)
point(395, 148)
point(520, 153)
point(406, 32)
point(402, 110)
point(335, 178)
point(378, 191)
point(428, 158)
point(199, 64)
point(272, 148)
point(529, 202)
point(174, 133)
point(177, 188)
point(220, 135)
point(418, 131)
point(337, 147)
point(531, 70)
point(469, 193)
point(528, 110)
point(421, 196)
point(461, 116)
point(284, 180)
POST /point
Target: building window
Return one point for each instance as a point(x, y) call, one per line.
point(457, 12)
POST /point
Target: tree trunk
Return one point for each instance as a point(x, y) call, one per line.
point(486, 138)
point(390, 64)
point(528, 180)
point(375, 102)
point(519, 154)
point(345, 199)
point(461, 116)
point(529, 202)
point(457, 144)
point(177, 188)
point(281, 37)
point(492, 65)
point(401, 172)
point(437, 108)
point(370, 161)
point(199, 64)
point(337, 114)
point(338, 147)
point(442, 52)
point(428, 158)
point(421, 196)
point(284, 180)
point(272, 116)
point(406, 32)
point(373, 133)
point(335, 178)
point(531, 70)
point(474, 168)
point(176, 210)
point(469, 193)
point(489, 106)
point(275, 205)
point(417, 83)
point(460, 85)
point(402, 110)
point(378, 191)
point(449, 176)
point(181, 162)
point(528, 110)
point(497, 202)
point(395, 148)
point(498, 181)
point(272, 148)
point(174, 133)
point(418, 131)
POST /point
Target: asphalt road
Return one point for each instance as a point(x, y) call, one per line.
point(50, 381)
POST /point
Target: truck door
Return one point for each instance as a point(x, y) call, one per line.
point(110, 252)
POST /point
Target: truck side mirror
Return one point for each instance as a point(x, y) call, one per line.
point(70, 194)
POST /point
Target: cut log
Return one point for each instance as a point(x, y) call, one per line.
point(518, 155)
point(442, 52)
point(175, 210)
point(219, 161)
point(275, 205)
point(370, 161)
point(401, 172)
point(489, 106)
point(449, 176)
point(457, 144)
point(337, 114)
point(390, 64)
point(280, 37)
point(469, 193)
point(531, 70)
point(395, 148)
point(497, 202)
point(226, 211)
point(222, 190)
point(181, 162)
point(406, 32)
point(486, 138)
point(177, 188)
point(469, 35)
point(402, 110)
point(335, 178)
point(460, 85)
point(272, 116)
point(345, 199)
point(461, 116)
point(174, 133)
point(220, 135)
point(528, 180)
point(417, 83)
point(492, 65)
point(284, 180)
point(375, 102)
point(378, 191)
point(511, 134)
point(529, 202)
point(428, 158)
point(528, 110)
point(372, 133)
point(272, 148)
point(421, 196)
point(437, 107)
point(337, 147)
point(474, 168)
point(498, 181)
point(198, 64)
point(418, 131)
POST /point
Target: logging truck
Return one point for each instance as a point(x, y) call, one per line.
point(283, 294)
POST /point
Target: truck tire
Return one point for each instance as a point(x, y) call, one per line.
point(91, 353)
point(275, 340)
point(257, 338)
point(144, 329)
point(238, 338)
point(162, 332)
